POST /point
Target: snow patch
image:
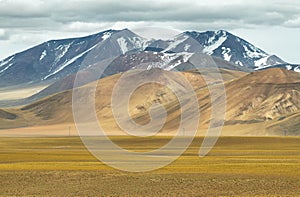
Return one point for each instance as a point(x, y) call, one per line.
point(187, 47)
point(263, 67)
point(175, 43)
point(213, 45)
point(297, 69)
point(44, 53)
point(168, 60)
point(261, 62)
point(123, 44)
point(61, 51)
point(289, 67)
point(7, 67)
point(226, 54)
point(3, 62)
point(253, 52)
point(239, 63)
point(68, 62)
point(106, 35)
point(80, 43)
point(138, 42)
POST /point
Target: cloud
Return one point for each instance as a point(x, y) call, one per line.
point(232, 13)
point(19, 8)
point(36, 20)
point(78, 26)
point(3, 35)
point(294, 23)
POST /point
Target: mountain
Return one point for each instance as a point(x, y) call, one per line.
point(265, 102)
point(56, 59)
point(263, 96)
point(138, 60)
point(220, 44)
point(286, 125)
point(57, 108)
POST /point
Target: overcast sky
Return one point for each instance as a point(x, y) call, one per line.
point(272, 25)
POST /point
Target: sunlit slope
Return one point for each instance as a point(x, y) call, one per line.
point(260, 103)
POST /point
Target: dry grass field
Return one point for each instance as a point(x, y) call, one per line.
point(237, 166)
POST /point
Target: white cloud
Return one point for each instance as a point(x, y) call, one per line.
point(86, 26)
point(3, 35)
point(295, 23)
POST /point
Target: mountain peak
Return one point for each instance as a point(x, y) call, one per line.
point(229, 47)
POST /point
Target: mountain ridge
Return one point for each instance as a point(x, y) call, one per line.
point(56, 59)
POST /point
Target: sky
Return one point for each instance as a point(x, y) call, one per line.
point(272, 25)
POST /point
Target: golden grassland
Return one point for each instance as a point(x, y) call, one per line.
point(237, 166)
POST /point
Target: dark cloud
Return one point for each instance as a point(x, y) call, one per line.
point(24, 19)
point(43, 13)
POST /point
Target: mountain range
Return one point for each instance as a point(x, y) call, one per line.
point(262, 91)
point(56, 59)
point(259, 103)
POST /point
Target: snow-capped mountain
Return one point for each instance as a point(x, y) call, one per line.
point(234, 49)
point(220, 44)
point(56, 59)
